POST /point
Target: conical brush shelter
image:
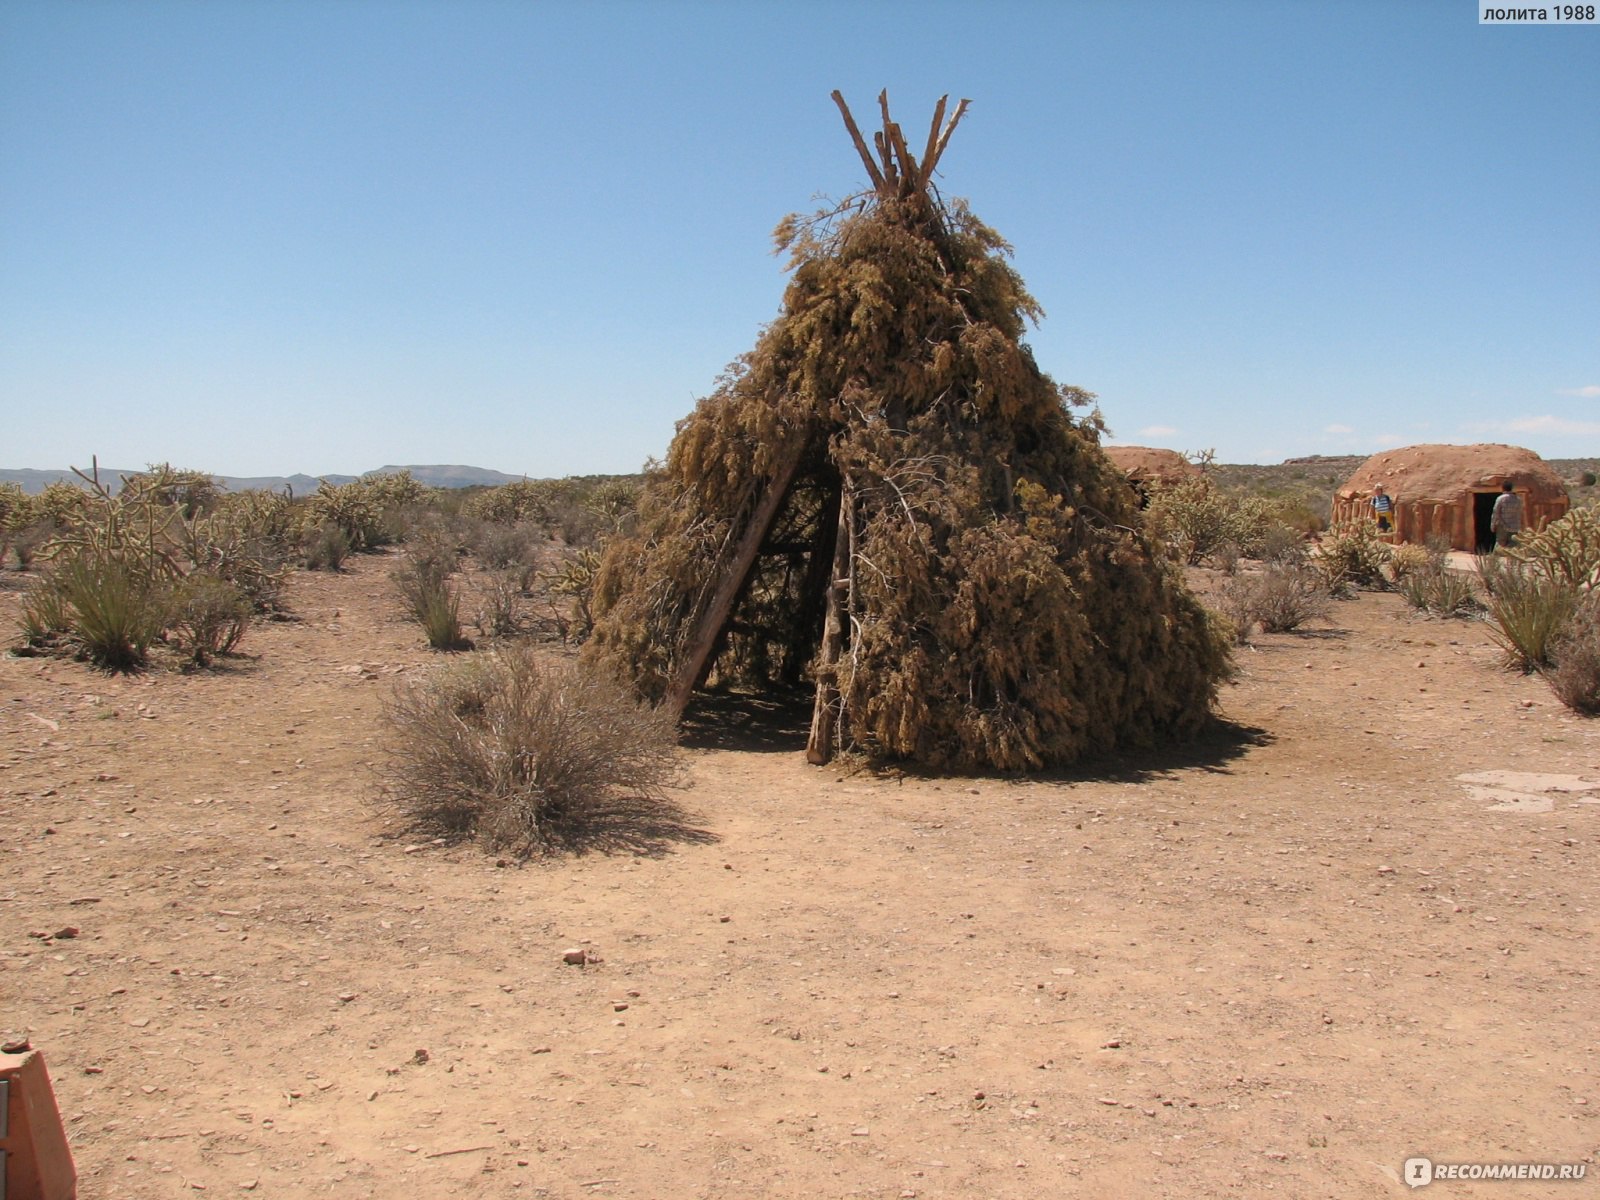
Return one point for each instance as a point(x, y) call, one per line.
point(886, 497)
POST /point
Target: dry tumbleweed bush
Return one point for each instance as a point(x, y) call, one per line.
point(525, 752)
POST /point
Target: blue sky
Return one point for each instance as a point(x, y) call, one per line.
point(325, 235)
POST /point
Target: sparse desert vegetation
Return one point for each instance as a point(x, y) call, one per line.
point(1360, 891)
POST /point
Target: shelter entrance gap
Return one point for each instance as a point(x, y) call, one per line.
point(1482, 514)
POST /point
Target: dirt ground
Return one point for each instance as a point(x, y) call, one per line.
point(1356, 925)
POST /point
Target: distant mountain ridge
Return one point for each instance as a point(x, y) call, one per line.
point(447, 476)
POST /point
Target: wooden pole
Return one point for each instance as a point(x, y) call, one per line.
point(944, 140)
point(733, 572)
point(928, 155)
point(861, 145)
point(825, 712)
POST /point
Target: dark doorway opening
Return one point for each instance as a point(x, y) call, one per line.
point(1482, 513)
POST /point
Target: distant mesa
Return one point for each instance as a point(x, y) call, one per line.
point(35, 481)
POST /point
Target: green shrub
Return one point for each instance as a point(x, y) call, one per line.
point(527, 500)
point(1352, 555)
point(574, 581)
point(208, 615)
point(13, 515)
point(523, 753)
point(1195, 520)
point(1567, 550)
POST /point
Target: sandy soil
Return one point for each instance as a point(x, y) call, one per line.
point(1356, 925)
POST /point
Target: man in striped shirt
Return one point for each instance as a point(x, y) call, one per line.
point(1383, 509)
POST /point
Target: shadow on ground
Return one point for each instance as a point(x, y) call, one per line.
point(781, 722)
point(647, 827)
point(775, 722)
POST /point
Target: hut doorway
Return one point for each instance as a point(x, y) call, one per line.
point(1482, 514)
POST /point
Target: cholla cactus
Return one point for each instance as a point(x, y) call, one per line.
point(1567, 550)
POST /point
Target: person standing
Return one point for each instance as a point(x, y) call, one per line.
point(1383, 510)
point(1506, 520)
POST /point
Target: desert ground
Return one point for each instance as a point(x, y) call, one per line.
point(1355, 924)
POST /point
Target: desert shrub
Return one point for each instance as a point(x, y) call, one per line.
point(1422, 576)
point(324, 548)
point(208, 615)
point(519, 751)
point(1302, 517)
point(574, 582)
point(527, 500)
point(498, 612)
point(245, 540)
point(58, 504)
point(398, 490)
point(1288, 597)
point(1408, 559)
point(1279, 599)
point(1283, 545)
point(1586, 479)
point(1574, 673)
point(1352, 555)
point(165, 554)
point(436, 544)
point(1440, 592)
point(1195, 519)
point(1567, 550)
point(498, 545)
point(189, 493)
point(352, 509)
point(13, 514)
point(425, 586)
point(1527, 609)
point(1226, 557)
point(41, 518)
point(598, 512)
point(1236, 608)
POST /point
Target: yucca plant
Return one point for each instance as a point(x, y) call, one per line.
point(1527, 609)
point(44, 619)
point(1424, 579)
point(114, 610)
point(432, 603)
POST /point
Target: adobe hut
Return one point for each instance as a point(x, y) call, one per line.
point(1147, 467)
point(1450, 490)
point(887, 500)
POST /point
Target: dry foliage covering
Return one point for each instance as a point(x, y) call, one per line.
point(998, 604)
